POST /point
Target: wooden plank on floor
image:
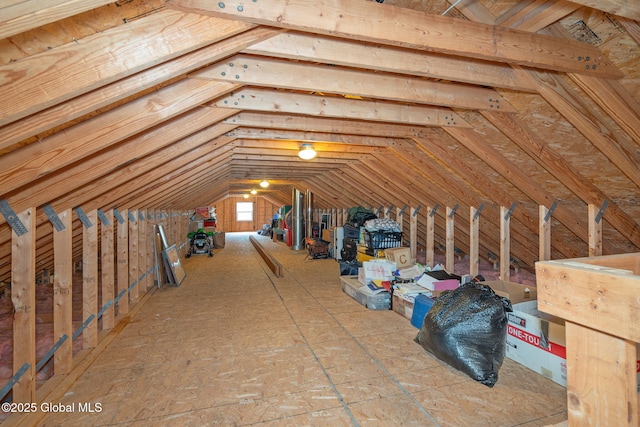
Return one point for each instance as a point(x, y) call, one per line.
point(273, 264)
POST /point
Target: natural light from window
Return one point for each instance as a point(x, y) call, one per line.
point(244, 211)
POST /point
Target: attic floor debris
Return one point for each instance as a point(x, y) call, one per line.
point(234, 345)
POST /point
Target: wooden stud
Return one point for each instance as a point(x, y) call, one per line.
point(413, 233)
point(123, 265)
point(107, 269)
point(595, 232)
point(62, 293)
point(23, 296)
point(90, 280)
point(450, 227)
point(474, 242)
point(505, 244)
point(430, 237)
point(142, 251)
point(133, 256)
point(544, 235)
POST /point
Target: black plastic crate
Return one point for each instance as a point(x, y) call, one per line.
point(351, 232)
point(374, 240)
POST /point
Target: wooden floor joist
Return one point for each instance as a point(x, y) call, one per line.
point(273, 264)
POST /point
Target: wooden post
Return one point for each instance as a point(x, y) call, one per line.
point(413, 233)
point(62, 293)
point(544, 235)
point(595, 232)
point(150, 237)
point(90, 280)
point(505, 244)
point(133, 255)
point(108, 269)
point(400, 218)
point(142, 251)
point(23, 296)
point(474, 242)
point(430, 236)
point(450, 240)
point(123, 264)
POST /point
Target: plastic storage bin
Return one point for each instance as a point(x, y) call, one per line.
point(351, 286)
point(421, 307)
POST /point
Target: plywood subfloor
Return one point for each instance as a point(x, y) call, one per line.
point(235, 346)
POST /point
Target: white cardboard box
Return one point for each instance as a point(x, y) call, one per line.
point(528, 328)
point(537, 341)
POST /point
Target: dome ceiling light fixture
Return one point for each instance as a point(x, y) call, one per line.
point(306, 152)
point(264, 183)
point(254, 191)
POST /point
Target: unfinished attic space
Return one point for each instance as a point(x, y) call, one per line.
point(320, 212)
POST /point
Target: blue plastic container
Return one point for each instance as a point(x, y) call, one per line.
point(421, 307)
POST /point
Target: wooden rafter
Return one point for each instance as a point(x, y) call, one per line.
point(412, 29)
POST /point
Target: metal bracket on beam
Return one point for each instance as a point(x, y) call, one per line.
point(132, 217)
point(601, 211)
point(478, 211)
point(118, 216)
point(53, 217)
point(390, 209)
point(404, 208)
point(415, 212)
point(50, 353)
point(14, 380)
point(553, 207)
point(507, 216)
point(140, 216)
point(12, 218)
point(83, 217)
point(453, 211)
point(433, 211)
point(103, 219)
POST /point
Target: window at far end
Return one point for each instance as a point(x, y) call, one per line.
point(244, 211)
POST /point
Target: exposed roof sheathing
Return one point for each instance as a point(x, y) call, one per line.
point(177, 104)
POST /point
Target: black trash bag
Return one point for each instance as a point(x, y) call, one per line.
point(466, 328)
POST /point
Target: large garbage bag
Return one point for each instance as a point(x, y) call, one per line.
point(466, 328)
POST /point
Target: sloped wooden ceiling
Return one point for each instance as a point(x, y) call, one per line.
point(177, 104)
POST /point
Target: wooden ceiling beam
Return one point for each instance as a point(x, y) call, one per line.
point(129, 86)
point(268, 100)
point(51, 77)
point(279, 73)
point(562, 170)
point(20, 16)
point(345, 141)
point(500, 164)
point(19, 168)
point(533, 15)
point(327, 125)
point(330, 50)
point(477, 178)
point(412, 29)
point(627, 8)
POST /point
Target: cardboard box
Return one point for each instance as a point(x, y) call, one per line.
point(403, 305)
point(376, 270)
point(534, 339)
point(516, 292)
point(400, 256)
point(537, 341)
point(434, 284)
